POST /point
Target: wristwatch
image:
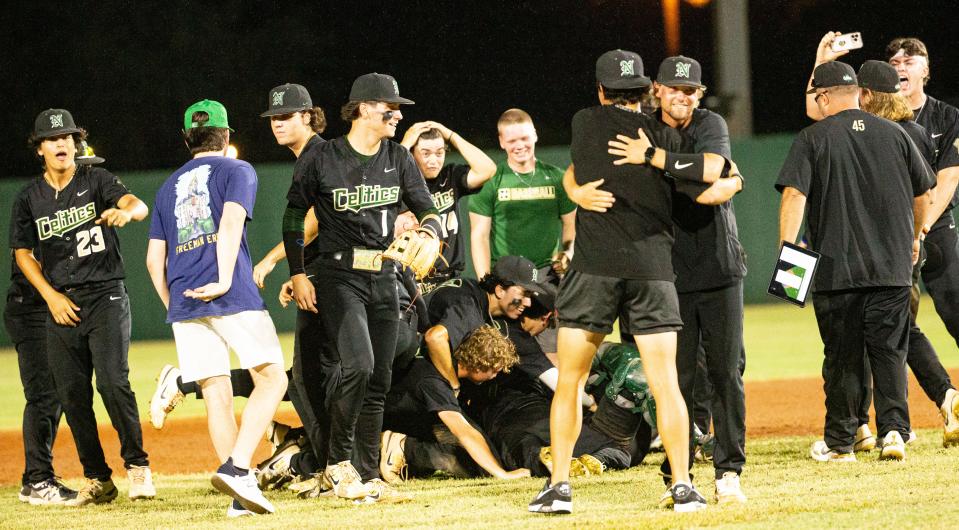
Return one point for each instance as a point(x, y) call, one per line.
point(650, 151)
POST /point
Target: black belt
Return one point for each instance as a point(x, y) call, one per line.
point(93, 286)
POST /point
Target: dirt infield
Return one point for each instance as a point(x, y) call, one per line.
point(774, 408)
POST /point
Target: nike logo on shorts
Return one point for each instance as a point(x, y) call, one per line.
point(80, 193)
point(683, 166)
point(389, 170)
point(115, 297)
point(937, 135)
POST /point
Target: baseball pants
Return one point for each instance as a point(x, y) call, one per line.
point(98, 345)
point(26, 326)
point(874, 321)
point(940, 274)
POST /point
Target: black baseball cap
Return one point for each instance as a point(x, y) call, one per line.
point(621, 69)
point(547, 298)
point(287, 99)
point(680, 70)
point(879, 76)
point(519, 271)
point(833, 73)
point(85, 155)
point(54, 122)
point(377, 87)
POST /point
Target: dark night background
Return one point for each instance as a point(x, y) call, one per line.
point(127, 70)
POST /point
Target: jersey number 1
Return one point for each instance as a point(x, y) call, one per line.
point(90, 241)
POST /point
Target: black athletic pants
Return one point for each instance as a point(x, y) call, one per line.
point(940, 274)
point(713, 322)
point(98, 345)
point(851, 322)
point(27, 327)
point(360, 314)
point(703, 394)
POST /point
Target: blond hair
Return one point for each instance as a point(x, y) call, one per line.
point(485, 350)
point(893, 107)
point(511, 117)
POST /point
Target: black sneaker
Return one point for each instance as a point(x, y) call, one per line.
point(687, 499)
point(553, 499)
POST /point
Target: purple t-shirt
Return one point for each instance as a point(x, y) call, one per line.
point(187, 215)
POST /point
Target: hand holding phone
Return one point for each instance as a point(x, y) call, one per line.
point(847, 41)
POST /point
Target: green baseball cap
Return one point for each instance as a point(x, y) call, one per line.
point(214, 109)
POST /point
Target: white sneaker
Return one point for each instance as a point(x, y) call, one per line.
point(728, 489)
point(50, 491)
point(950, 417)
point(141, 483)
point(237, 510)
point(865, 441)
point(243, 488)
point(166, 396)
point(821, 452)
point(912, 437)
point(893, 448)
point(346, 482)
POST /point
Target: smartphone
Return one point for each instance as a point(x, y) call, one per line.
point(847, 41)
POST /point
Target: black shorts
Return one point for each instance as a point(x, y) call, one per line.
point(592, 302)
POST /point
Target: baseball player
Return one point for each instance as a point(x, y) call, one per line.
point(200, 266)
point(940, 273)
point(861, 290)
point(622, 268)
point(355, 185)
point(70, 215)
point(429, 141)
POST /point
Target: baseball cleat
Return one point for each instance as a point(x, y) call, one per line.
point(865, 441)
point(50, 491)
point(577, 467)
point(141, 483)
point(393, 466)
point(950, 417)
point(242, 488)
point(275, 471)
point(383, 493)
point(345, 481)
point(95, 491)
point(893, 448)
point(728, 490)
point(686, 499)
point(166, 396)
point(276, 434)
point(556, 499)
point(237, 510)
point(821, 452)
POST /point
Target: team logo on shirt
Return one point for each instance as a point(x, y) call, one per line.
point(682, 70)
point(194, 219)
point(527, 194)
point(443, 199)
point(65, 220)
point(364, 196)
point(626, 68)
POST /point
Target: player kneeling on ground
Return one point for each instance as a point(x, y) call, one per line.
point(200, 265)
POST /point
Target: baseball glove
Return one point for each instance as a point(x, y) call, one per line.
point(417, 249)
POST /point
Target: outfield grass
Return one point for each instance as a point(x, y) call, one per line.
point(786, 489)
point(782, 341)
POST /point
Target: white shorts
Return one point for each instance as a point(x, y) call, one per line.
point(203, 344)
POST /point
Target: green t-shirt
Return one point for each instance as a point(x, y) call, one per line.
point(525, 209)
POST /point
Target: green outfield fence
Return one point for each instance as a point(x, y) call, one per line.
point(757, 209)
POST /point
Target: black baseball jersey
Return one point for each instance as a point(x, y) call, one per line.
point(532, 361)
point(633, 239)
point(308, 157)
point(357, 199)
point(859, 173)
point(461, 306)
point(415, 401)
point(75, 250)
point(707, 253)
point(941, 121)
point(447, 189)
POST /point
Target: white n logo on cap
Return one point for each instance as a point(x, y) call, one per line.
point(536, 272)
point(56, 120)
point(626, 68)
point(682, 70)
point(278, 98)
point(396, 88)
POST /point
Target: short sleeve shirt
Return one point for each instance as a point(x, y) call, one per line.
point(414, 403)
point(634, 238)
point(461, 306)
point(62, 225)
point(525, 211)
point(851, 166)
point(941, 121)
point(186, 215)
point(447, 189)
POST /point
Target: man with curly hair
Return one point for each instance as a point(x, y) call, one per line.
point(428, 430)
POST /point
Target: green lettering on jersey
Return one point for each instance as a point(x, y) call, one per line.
point(65, 220)
point(443, 199)
point(364, 196)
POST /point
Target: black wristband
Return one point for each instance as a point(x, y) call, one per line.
point(650, 151)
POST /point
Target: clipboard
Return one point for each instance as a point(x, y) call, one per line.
point(793, 274)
